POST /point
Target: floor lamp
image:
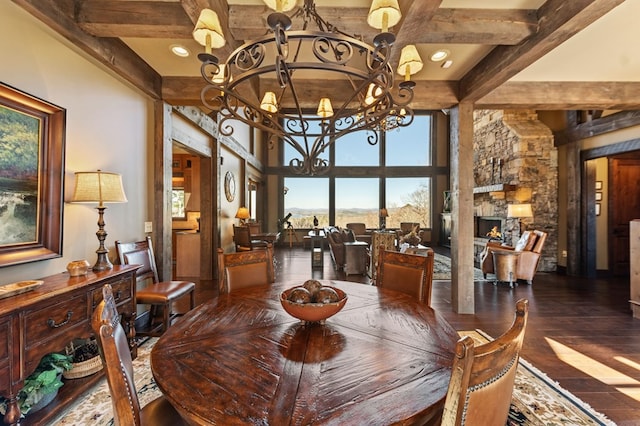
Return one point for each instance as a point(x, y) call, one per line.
point(519, 211)
point(99, 187)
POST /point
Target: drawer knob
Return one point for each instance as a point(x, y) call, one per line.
point(51, 323)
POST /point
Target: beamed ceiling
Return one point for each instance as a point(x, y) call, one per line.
point(549, 55)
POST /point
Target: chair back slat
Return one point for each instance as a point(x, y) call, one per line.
point(139, 253)
point(483, 376)
point(245, 269)
point(408, 273)
point(116, 358)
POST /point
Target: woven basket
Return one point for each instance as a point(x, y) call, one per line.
point(84, 368)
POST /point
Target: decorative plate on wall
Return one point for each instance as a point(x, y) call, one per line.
point(229, 186)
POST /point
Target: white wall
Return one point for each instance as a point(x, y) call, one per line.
point(107, 128)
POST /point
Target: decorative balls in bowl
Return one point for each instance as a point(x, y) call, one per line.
point(313, 302)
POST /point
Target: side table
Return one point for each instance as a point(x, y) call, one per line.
point(505, 265)
point(355, 255)
point(317, 249)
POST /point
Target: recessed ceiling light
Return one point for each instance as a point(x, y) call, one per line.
point(439, 55)
point(447, 64)
point(179, 50)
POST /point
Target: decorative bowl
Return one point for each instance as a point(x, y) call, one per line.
point(313, 312)
point(77, 268)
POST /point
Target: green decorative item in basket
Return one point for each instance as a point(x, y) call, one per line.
point(86, 358)
point(42, 383)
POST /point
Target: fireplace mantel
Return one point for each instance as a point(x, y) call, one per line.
point(498, 187)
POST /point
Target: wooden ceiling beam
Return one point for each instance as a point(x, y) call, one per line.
point(429, 95)
point(422, 22)
point(111, 52)
point(563, 95)
point(146, 19)
point(558, 21)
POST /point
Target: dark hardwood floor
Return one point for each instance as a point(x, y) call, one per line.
point(580, 331)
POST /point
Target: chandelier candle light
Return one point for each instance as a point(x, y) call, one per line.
point(99, 187)
point(262, 82)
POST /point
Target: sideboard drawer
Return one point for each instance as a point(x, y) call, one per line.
point(47, 324)
point(121, 292)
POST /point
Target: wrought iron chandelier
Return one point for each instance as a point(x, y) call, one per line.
point(272, 70)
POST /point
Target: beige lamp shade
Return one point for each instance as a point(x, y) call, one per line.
point(269, 103)
point(519, 210)
point(410, 61)
point(281, 5)
point(208, 31)
point(325, 109)
point(384, 14)
point(98, 187)
point(384, 213)
point(242, 213)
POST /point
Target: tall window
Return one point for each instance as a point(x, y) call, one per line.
point(353, 149)
point(410, 146)
point(357, 200)
point(362, 181)
point(408, 200)
point(306, 198)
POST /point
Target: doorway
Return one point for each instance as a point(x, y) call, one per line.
point(611, 199)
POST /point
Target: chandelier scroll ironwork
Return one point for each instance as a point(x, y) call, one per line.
point(273, 70)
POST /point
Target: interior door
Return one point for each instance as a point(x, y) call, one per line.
point(624, 206)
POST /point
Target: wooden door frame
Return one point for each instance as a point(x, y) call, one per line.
point(587, 199)
point(165, 135)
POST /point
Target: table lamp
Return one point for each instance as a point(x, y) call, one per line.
point(519, 211)
point(383, 218)
point(99, 187)
point(243, 215)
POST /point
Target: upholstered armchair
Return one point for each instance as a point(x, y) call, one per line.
point(530, 245)
point(407, 227)
point(336, 238)
point(360, 231)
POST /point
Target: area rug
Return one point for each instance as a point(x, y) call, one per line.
point(537, 400)
point(442, 269)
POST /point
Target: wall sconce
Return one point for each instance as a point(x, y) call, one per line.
point(99, 187)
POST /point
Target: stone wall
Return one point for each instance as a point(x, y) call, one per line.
point(515, 148)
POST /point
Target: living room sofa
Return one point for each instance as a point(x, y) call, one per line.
point(336, 237)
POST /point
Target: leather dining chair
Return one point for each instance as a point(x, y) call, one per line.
point(244, 241)
point(482, 377)
point(160, 295)
point(116, 358)
point(408, 273)
point(245, 269)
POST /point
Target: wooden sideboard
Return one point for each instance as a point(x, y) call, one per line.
point(45, 320)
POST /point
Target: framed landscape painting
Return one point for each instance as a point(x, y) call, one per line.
point(31, 177)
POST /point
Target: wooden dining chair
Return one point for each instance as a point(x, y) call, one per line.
point(244, 241)
point(408, 273)
point(160, 295)
point(245, 269)
point(483, 376)
point(116, 359)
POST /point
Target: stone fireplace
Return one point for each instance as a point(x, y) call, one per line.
point(485, 224)
point(515, 162)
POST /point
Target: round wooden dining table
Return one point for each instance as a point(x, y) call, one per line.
point(240, 358)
